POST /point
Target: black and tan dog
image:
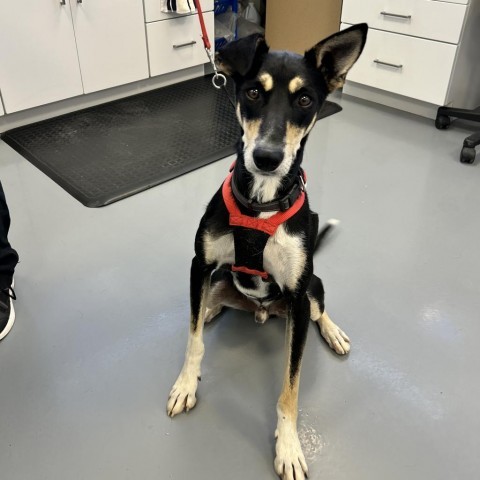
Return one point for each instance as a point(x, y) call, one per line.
point(254, 246)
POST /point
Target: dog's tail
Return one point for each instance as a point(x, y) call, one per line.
point(324, 232)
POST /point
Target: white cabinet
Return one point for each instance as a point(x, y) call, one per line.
point(419, 54)
point(48, 47)
point(110, 41)
point(38, 56)
point(52, 50)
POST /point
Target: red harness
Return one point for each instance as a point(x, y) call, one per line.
point(266, 225)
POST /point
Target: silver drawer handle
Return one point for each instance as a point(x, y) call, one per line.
point(387, 14)
point(193, 42)
point(62, 2)
point(380, 62)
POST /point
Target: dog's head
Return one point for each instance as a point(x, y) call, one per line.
point(279, 94)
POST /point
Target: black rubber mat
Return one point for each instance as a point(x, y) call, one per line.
point(111, 151)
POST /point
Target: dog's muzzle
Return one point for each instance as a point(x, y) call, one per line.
point(267, 159)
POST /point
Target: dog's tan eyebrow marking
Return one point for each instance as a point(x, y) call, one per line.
point(296, 83)
point(267, 81)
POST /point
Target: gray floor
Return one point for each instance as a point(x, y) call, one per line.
point(102, 316)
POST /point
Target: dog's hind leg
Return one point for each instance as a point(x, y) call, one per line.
point(182, 396)
point(289, 461)
point(333, 335)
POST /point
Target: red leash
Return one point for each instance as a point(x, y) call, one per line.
point(206, 41)
point(208, 48)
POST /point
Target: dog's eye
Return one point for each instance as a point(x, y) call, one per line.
point(304, 101)
point(253, 93)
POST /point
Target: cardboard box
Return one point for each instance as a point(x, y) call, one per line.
point(298, 25)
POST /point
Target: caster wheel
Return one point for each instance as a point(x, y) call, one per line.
point(467, 155)
point(442, 122)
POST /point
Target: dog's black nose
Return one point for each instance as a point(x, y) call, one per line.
point(267, 159)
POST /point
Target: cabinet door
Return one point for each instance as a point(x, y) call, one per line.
point(38, 56)
point(111, 43)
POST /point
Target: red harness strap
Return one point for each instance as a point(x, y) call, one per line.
point(267, 225)
point(250, 271)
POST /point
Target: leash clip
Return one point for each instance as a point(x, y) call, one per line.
point(218, 80)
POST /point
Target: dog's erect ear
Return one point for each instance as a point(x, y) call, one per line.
point(241, 56)
point(335, 55)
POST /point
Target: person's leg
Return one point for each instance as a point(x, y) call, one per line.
point(8, 261)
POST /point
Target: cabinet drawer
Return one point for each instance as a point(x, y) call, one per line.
point(177, 43)
point(153, 12)
point(423, 67)
point(424, 18)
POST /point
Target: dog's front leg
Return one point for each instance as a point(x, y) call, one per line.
point(290, 462)
point(182, 396)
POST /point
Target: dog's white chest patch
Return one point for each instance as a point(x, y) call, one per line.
point(219, 250)
point(284, 258)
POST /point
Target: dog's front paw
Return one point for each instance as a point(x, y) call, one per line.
point(336, 338)
point(182, 396)
point(289, 462)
